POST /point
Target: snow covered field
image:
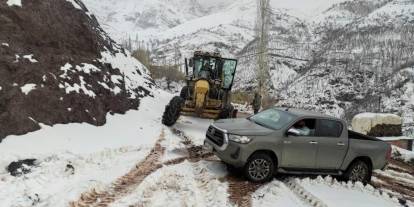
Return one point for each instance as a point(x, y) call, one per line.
point(78, 160)
point(98, 155)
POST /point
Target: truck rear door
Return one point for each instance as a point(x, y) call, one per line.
point(332, 144)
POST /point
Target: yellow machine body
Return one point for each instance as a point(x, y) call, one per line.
point(207, 93)
point(202, 105)
point(201, 89)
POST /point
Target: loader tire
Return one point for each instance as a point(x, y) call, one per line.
point(185, 93)
point(172, 111)
point(227, 112)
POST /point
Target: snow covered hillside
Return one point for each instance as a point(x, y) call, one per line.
point(365, 65)
point(349, 48)
point(59, 66)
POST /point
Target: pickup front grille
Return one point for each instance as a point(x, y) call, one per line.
point(215, 135)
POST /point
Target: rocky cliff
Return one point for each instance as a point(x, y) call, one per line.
point(58, 66)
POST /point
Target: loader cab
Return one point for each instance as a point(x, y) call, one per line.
point(219, 70)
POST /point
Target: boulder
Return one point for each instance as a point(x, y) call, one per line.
point(377, 124)
point(21, 167)
point(58, 66)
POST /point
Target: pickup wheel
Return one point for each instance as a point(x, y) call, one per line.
point(259, 168)
point(358, 171)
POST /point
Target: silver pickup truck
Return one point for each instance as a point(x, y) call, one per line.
point(295, 141)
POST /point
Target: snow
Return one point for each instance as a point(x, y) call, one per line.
point(77, 88)
point(27, 88)
point(395, 138)
point(185, 184)
point(14, 3)
point(195, 128)
point(17, 58)
point(135, 74)
point(77, 6)
point(98, 154)
point(276, 193)
point(83, 67)
point(30, 58)
point(333, 193)
point(364, 122)
point(87, 68)
point(405, 155)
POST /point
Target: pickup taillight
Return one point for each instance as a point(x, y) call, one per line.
point(389, 151)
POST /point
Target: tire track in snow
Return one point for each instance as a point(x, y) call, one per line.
point(195, 153)
point(125, 184)
point(302, 193)
point(404, 166)
point(241, 190)
point(398, 188)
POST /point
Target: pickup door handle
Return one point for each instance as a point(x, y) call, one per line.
point(313, 142)
point(340, 144)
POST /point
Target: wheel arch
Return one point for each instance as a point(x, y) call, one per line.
point(365, 159)
point(271, 153)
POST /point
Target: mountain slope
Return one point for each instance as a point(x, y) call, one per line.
point(148, 18)
point(59, 66)
point(340, 61)
point(365, 65)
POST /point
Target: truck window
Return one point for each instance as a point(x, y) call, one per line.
point(272, 118)
point(328, 128)
point(306, 127)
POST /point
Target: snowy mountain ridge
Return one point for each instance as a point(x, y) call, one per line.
point(348, 41)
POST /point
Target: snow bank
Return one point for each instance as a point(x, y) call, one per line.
point(98, 155)
point(276, 194)
point(402, 154)
point(334, 193)
point(363, 123)
point(14, 3)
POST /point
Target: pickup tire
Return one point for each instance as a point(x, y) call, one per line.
point(259, 168)
point(358, 171)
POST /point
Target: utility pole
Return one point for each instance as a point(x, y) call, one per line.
point(262, 35)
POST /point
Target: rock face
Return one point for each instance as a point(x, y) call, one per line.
point(58, 66)
point(378, 125)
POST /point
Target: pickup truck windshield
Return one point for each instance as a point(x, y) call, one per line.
point(272, 118)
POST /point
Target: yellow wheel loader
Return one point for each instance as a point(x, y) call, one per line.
point(207, 91)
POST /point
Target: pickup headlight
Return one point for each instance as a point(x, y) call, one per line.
point(239, 139)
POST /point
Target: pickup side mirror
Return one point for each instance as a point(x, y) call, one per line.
point(293, 132)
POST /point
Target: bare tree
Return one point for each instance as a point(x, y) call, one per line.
point(262, 35)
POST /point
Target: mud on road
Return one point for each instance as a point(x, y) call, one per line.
point(395, 185)
point(125, 184)
point(240, 190)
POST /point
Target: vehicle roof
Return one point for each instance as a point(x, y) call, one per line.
point(306, 113)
